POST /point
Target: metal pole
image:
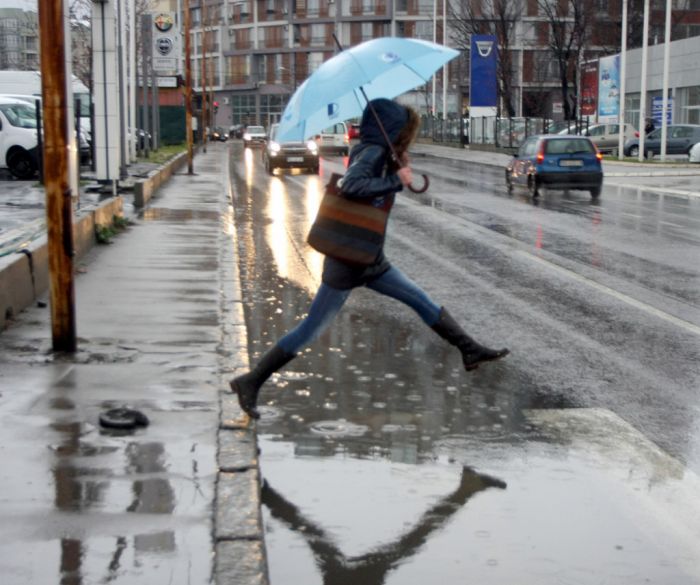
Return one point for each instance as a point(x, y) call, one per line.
point(145, 29)
point(643, 99)
point(203, 129)
point(188, 86)
point(667, 64)
point(623, 83)
point(59, 211)
point(122, 89)
point(444, 67)
point(132, 79)
point(434, 104)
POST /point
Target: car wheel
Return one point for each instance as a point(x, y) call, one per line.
point(20, 164)
point(532, 186)
point(595, 192)
point(270, 168)
point(634, 151)
point(315, 170)
point(509, 182)
point(346, 151)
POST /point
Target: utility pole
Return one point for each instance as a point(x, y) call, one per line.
point(188, 86)
point(59, 211)
point(204, 76)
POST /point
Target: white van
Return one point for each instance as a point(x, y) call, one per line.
point(334, 139)
point(18, 138)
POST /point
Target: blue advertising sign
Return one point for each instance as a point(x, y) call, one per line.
point(609, 89)
point(483, 86)
point(657, 107)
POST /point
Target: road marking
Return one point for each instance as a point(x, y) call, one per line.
point(613, 293)
point(656, 189)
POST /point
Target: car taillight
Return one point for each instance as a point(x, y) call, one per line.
point(598, 154)
point(636, 134)
point(540, 154)
point(347, 138)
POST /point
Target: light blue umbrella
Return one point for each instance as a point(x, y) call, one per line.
point(381, 68)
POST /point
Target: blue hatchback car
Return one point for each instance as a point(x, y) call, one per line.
point(556, 162)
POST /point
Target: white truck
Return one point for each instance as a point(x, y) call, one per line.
point(27, 84)
point(18, 138)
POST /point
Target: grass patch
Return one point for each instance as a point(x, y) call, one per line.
point(105, 233)
point(164, 153)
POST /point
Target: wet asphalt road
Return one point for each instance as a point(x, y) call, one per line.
point(574, 460)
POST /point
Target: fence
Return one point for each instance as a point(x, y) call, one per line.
point(506, 133)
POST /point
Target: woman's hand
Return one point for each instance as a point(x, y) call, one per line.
point(405, 175)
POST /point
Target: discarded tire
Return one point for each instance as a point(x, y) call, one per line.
point(123, 418)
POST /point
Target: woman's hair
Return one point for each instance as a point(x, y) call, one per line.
point(408, 132)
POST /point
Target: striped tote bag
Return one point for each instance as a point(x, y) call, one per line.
point(349, 230)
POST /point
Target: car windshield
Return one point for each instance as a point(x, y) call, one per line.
point(256, 130)
point(568, 146)
point(20, 115)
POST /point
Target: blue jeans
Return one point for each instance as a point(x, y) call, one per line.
point(328, 302)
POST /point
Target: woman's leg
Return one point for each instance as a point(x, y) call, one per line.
point(395, 284)
point(325, 306)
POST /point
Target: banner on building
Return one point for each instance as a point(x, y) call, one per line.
point(483, 84)
point(609, 89)
point(657, 110)
point(589, 88)
point(165, 46)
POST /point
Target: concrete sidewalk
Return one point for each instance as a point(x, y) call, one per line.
point(160, 326)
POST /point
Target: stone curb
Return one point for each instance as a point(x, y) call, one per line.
point(145, 189)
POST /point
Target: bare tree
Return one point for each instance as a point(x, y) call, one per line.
point(495, 17)
point(570, 23)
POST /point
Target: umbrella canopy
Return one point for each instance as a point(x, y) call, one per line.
point(384, 67)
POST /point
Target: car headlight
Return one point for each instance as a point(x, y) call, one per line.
point(274, 147)
point(312, 146)
point(246, 136)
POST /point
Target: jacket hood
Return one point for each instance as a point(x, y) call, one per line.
point(393, 116)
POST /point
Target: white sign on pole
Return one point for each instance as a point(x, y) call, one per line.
point(165, 43)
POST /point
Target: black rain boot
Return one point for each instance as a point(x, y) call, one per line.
point(473, 353)
point(248, 385)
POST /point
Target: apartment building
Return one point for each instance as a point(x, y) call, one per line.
point(259, 51)
point(19, 39)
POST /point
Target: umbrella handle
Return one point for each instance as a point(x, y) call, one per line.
point(424, 188)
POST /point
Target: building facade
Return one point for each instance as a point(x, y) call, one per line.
point(19, 39)
point(257, 52)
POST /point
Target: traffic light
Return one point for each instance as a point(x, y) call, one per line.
point(216, 107)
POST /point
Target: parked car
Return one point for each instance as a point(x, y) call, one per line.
point(289, 155)
point(254, 136)
point(334, 139)
point(694, 155)
point(18, 138)
point(680, 138)
point(606, 137)
point(556, 162)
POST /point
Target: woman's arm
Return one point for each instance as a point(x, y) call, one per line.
point(364, 177)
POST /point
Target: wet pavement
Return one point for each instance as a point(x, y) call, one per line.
point(158, 332)
point(574, 460)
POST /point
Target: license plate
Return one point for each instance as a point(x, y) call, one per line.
point(570, 163)
point(295, 159)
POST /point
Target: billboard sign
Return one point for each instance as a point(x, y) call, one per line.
point(483, 85)
point(589, 88)
point(609, 89)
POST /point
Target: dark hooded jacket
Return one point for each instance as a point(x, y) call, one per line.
point(369, 175)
